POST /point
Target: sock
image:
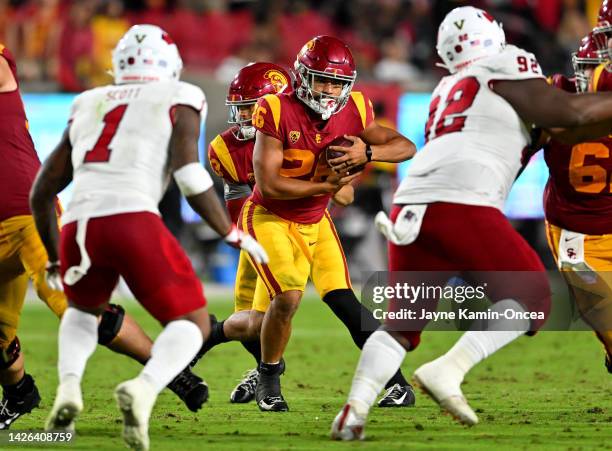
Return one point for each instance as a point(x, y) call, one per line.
point(381, 356)
point(352, 313)
point(359, 322)
point(476, 345)
point(605, 337)
point(173, 349)
point(217, 334)
point(254, 348)
point(23, 387)
point(397, 378)
point(78, 338)
point(269, 369)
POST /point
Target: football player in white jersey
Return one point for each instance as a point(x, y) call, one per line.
point(447, 211)
point(122, 143)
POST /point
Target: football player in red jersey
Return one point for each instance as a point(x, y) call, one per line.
point(231, 157)
point(23, 257)
point(287, 211)
point(578, 202)
point(447, 214)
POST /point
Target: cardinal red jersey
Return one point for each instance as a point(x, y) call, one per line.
point(305, 136)
point(19, 162)
point(231, 158)
point(578, 195)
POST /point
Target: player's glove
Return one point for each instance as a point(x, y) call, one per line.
point(240, 240)
point(407, 225)
point(53, 276)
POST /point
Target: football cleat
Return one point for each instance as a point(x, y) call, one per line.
point(268, 391)
point(608, 363)
point(135, 399)
point(12, 406)
point(272, 403)
point(348, 425)
point(66, 407)
point(244, 392)
point(398, 396)
point(446, 391)
point(191, 388)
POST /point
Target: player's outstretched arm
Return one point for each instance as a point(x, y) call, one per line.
point(196, 184)
point(584, 116)
point(54, 175)
point(267, 162)
point(193, 180)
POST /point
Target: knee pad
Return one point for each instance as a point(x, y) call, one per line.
point(110, 324)
point(9, 355)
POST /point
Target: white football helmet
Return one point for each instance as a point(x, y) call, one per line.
point(146, 53)
point(467, 34)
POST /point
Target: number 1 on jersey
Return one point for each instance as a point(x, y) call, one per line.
point(101, 152)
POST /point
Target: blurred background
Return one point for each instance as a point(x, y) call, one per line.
point(63, 47)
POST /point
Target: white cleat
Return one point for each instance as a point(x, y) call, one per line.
point(348, 425)
point(66, 407)
point(135, 399)
point(434, 380)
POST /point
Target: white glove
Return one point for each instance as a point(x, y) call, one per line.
point(407, 225)
point(239, 239)
point(53, 276)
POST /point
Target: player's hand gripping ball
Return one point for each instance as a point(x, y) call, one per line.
point(331, 154)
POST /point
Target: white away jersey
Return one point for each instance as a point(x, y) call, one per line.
point(474, 138)
point(119, 136)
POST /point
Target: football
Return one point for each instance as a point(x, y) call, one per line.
point(331, 154)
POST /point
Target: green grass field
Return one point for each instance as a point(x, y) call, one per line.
point(550, 391)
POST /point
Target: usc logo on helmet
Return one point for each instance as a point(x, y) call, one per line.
point(277, 78)
point(307, 47)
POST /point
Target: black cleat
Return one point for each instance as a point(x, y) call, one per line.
point(268, 392)
point(191, 388)
point(273, 404)
point(244, 392)
point(13, 406)
point(608, 363)
point(398, 396)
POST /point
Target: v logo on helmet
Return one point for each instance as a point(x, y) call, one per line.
point(140, 38)
point(459, 24)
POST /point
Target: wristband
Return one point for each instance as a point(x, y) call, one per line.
point(368, 152)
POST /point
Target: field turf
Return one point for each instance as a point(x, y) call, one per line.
point(547, 392)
